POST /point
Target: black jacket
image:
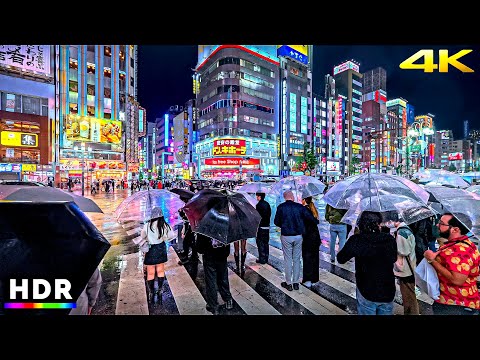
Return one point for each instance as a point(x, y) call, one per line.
point(291, 217)
point(205, 247)
point(263, 208)
point(374, 256)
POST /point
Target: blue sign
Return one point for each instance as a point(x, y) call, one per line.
point(284, 173)
point(286, 50)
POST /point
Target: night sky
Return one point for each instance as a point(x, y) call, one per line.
point(165, 79)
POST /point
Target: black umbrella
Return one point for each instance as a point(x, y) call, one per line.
point(47, 241)
point(226, 218)
point(185, 195)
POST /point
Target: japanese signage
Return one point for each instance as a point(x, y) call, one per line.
point(66, 164)
point(10, 167)
point(229, 147)
point(11, 138)
point(27, 57)
point(345, 66)
point(84, 128)
point(29, 167)
point(232, 161)
point(296, 52)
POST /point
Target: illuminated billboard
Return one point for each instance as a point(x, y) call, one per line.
point(295, 52)
point(455, 156)
point(229, 147)
point(444, 134)
point(12, 138)
point(346, 66)
point(32, 58)
point(394, 102)
point(90, 129)
point(333, 167)
point(424, 121)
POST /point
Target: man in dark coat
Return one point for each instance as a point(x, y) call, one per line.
point(215, 267)
point(263, 232)
point(290, 218)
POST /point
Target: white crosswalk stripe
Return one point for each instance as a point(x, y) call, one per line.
point(189, 299)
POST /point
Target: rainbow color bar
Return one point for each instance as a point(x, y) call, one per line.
point(13, 305)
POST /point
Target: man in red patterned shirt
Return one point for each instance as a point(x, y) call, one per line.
point(457, 265)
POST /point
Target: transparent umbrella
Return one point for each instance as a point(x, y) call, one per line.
point(474, 189)
point(255, 187)
point(138, 207)
point(464, 205)
point(302, 186)
point(374, 188)
point(408, 209)
point(443, 177)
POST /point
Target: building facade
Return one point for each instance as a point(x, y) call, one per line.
point(98, 119)
point(27, 112)
point(237, 100)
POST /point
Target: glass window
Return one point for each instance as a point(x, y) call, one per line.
point(73, 108)
point(73, 86)
point(107, 51)
point(107, 92)
point(90, 89)
point(91, 110)
point(31, 105)
point(107, 115)
point(91, 48)
point(73, 52)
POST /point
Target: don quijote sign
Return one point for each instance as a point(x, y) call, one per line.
point(231, 162)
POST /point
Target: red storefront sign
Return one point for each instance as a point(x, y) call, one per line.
point(229, 147)
point(231, 162)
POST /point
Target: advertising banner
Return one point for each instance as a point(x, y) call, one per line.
point(455, 156)
point(92, 129)
point(229, 147)
point(32, 58)
point(231, 162)
point(12, 138)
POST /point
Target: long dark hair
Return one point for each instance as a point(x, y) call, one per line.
point(369, 222)
point(162, 226)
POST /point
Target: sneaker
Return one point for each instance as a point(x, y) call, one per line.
point(229, 304)
point(289, 287)
point(307, 284)
point(296, 286)
point(260, 262)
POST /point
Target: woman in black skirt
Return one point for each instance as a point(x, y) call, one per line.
point(310, 246)
point(156, 231)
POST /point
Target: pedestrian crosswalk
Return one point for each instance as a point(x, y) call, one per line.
point(257, 292)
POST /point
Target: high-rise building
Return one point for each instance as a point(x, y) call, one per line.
point(374, 112)
point(27, 112)
point(443, 138)
point(237, 100)
point(98, 122)
point(396, 132)
point(319, 134)
point(348, 121)
point(164, 144)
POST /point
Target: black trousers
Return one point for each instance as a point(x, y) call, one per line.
point(216, 277)
point(189, 242)
point(442, 309)
point(262, 239)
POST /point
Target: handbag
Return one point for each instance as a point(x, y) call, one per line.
point(426, 279)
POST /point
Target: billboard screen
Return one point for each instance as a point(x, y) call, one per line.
point(12, 138)
point(33, 58)
point(295, 52)
point(90, 129)
point(345, 66)
point(229, 147)
point(455, 156)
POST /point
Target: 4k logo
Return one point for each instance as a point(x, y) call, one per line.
point(429, 64)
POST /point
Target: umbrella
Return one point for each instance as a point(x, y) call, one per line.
point(36, 194)
point(443, 177)
point(226, 218)
point(464, 205)
point(47, 240)
point(302, 186)
point(138, 207)
point(350, 192)
point(408, 210)
point(474, 189)
point(185, 195)
point(252, 200)
point(255, 187)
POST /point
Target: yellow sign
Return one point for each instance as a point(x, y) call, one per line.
point(29, 167)
point(11, 138)
point(302, 49)
point(90, 129)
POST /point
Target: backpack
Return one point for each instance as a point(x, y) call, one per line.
point(420, 245)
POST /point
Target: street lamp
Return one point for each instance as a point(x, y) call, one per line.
point(82, 149)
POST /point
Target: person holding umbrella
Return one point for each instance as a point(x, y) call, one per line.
point(457, 265)
point(156, 231)
point(310, 246)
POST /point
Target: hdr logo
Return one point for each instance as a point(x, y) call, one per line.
point(39, 289)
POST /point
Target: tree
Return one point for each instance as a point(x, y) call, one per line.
point(354, 164)
point(452, 168)
point(308, 161)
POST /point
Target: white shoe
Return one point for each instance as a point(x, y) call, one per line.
point(307, 284)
